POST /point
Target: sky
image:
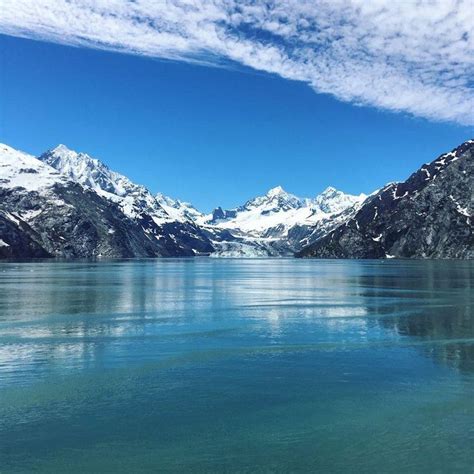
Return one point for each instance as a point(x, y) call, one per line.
point(215, 102)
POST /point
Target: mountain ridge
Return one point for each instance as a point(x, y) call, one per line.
point(259, 226)
point(67, 203)
point(429, 215)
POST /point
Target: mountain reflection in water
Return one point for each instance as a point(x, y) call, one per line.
point(181, 364)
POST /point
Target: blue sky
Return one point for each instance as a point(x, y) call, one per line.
point(209, 135)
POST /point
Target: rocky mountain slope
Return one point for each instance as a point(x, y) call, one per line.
point(430, 215)
point(179, 233)
point(18, 239)
point(47, 212)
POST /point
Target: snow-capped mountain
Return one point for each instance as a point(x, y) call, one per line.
point(63, 185)
point(277, 223)
point(22, 177)
point(68, 204)
point(88, 171)
point(73, 211)
point(260, 226)
point(134, 199)
point(164, 216)
point(332, 201)
point(45, 213)
point(178, 210)
point(275, 213)
point(21, 170)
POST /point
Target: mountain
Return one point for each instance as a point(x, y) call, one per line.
point(427, 216)
point(282, 210)
point(69, 204)
point(155, 216)
point(178, 210)
point(92, 173)
point(279, 222)
point(44, 212)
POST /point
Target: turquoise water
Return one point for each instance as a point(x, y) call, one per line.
point(206, 365)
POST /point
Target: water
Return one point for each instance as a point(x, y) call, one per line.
point(209, 365)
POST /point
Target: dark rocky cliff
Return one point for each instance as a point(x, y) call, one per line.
point(430, 215)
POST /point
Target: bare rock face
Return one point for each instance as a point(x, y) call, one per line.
point(18, 239)
point(430, 215)
point(71, 222)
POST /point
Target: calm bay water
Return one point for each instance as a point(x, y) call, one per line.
point(206, 365)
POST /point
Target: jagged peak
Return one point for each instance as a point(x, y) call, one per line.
point(65, 153)
point(333, 201)
point(61, 148)
point(330, 190)
point(73, 162)
point(277, 190)
point(281, 194)
point(87, 170)
point(329, 193)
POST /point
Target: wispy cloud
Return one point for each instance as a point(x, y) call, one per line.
point(414, 56)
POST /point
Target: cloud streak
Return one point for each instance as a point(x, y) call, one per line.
point(413, 56)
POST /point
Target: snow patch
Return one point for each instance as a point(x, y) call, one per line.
point(462, 210)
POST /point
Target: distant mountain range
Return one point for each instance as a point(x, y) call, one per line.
point(68, 204)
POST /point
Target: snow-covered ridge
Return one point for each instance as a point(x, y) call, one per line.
point(88, 171)
point(332, 201)
point(134, 199)
point(21, 170)
point(283, 210)
point(276, 209)
point(272, 224)
point(178, 210)
point(275, 198)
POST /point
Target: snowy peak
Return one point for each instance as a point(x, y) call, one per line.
point(332, 201)
point(329, 191)
point(274, 200)
point(280, 210)
point(134, 199)
point(87, 171)
point(279, 194)
point(277, 190)
point(62, 149)
point(179, 210)
point(429, 215)
point(19, 169)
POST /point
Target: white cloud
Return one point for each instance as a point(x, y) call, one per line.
point(414, 56)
